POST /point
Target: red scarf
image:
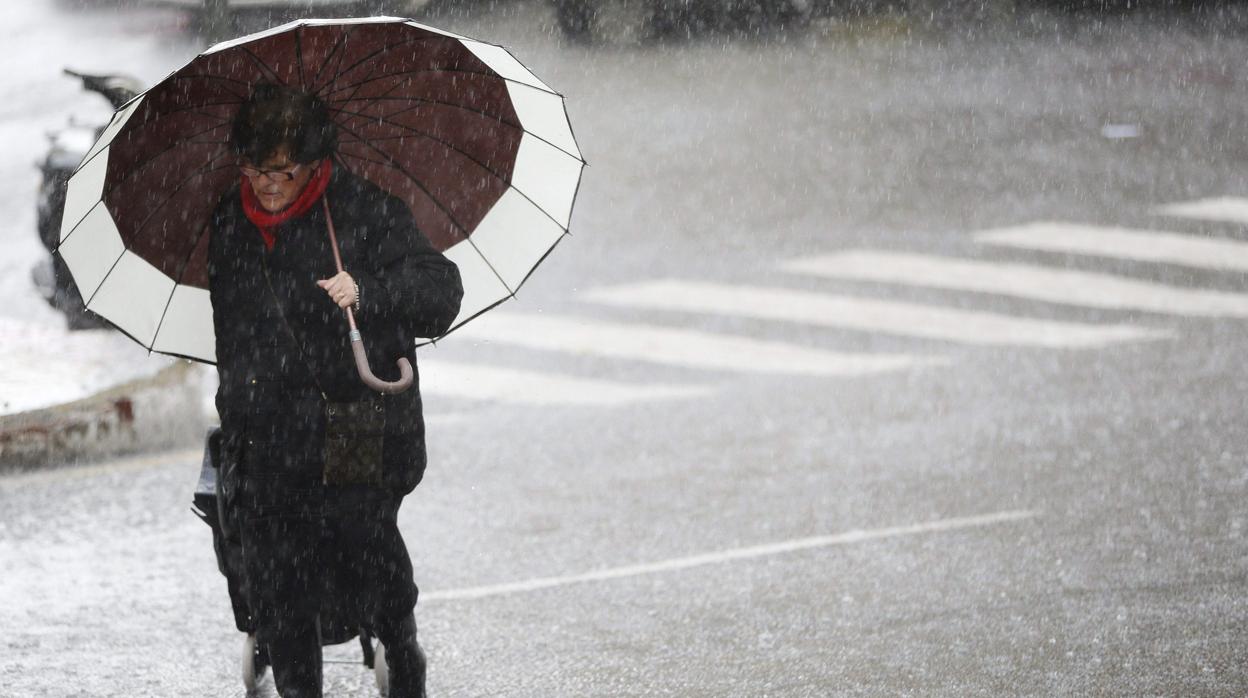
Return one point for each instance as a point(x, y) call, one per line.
point(267, 222)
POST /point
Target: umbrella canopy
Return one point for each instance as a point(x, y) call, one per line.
point(478, 147)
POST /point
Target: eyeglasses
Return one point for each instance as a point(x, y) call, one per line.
point(274, 175)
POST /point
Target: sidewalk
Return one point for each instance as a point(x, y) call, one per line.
point(78, 396)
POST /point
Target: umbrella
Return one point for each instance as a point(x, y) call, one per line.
point(477, 146)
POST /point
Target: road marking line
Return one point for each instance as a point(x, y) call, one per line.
point(1229, 209)
point(1122, 243)
point(681, 347)
point(731, 555)
point(891, 317)
point(1023, 281)
point(509, 385)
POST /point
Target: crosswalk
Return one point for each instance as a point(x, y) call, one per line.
point(1029, 281)
point(678, 347)
point(516, 386)
point(708, 359)
point(1225, 209)
point(1123, 243)
point(849, 312)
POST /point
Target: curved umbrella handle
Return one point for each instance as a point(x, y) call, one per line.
point(357, 342)
point(366, 374)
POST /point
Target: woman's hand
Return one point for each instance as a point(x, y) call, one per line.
point(341, 289)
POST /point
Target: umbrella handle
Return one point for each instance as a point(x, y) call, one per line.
point(366, 374)
point(357, 342)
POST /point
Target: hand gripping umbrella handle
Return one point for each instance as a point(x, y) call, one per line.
point(357, 342)
point(366, 374)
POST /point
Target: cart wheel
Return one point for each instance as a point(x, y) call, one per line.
point(254, 665)
point(381, 671)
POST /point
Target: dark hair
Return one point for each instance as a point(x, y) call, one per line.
point(276, 116)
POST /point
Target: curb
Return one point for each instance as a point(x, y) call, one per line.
point(160, 412)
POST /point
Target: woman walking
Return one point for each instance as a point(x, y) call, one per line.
point(320, 462)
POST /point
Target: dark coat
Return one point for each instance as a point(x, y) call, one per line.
point(273, 385)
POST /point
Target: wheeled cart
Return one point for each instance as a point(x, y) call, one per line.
point(208, 505)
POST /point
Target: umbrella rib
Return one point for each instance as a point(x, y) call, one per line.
point(353, 94)
point(398, 166)
point(450, 146)
point(467, 109)
point(264, 67)
point(357, 86)
point(163, 313)
point(387, 93)
point(186, 262)
point(382, 50)
point(209, 76)
point(178, 279)
point(469, 157)
point(509, 183)
point(424, 100)
point(563, 102)
point(148, 162)
point(208, 115)
point(201, 171)
point(214, 142)
point(97, 153)
point(303, 83)
point(91, 159)
point(511, 293)
point(426, 134)
point(538, 263)
point(194, 108)
point(87, 303)
point(337, 50)
point(365, 81)
point(206, 76)
point(360, 158)
point(150, 350)
point(434, 341)
point(451, 218)
point(74, 229)
point(544, 87)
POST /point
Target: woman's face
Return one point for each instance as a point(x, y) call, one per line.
point(275, 190)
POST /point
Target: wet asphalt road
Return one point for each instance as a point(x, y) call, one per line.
point(1110, 556)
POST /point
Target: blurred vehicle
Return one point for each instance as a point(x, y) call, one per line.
point(66, 149)
point(217, 19)
point(634, 21)
point(266, 4)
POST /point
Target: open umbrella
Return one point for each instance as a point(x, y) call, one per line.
point(478, 147)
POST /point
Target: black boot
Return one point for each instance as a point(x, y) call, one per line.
point(295, 655)
point(404, 657)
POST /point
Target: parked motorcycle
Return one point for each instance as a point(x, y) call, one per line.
point(66, 149)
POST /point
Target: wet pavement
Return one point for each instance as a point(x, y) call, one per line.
point(1040, 492)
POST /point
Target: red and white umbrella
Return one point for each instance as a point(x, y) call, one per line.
point(477, 146)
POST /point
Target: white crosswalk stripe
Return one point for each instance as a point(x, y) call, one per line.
point(1123, 243)
point(696, 349)
point(1064, 286)
point(1226, 209)
point(678, 347)
point(509, 385)
point(891, 317)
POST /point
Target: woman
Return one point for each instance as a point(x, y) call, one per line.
point(322, 463)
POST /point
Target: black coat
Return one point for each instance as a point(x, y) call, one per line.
point(275, 374)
